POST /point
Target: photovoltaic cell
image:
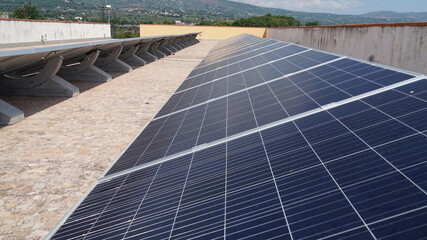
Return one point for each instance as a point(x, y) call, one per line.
point(235, 67)
point(202, 93)
point(240, 56)
point(231, 188)
point(354, 170)
point(215, 57)
point(250, 108)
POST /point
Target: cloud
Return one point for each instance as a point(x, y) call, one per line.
point(307, 5)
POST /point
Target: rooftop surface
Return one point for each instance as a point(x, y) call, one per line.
point(52, 158)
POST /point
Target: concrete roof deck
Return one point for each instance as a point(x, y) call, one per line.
point(52, 158)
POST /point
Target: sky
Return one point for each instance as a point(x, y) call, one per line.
point(343, 6)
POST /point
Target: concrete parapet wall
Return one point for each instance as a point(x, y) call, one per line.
point(16, 32)
point(402, 45)
point(208, 32)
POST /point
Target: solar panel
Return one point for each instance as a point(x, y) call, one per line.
point(262, 59)
point(240, 56)
point(331, 147)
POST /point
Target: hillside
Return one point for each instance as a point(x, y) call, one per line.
point(157, 11)
point(389, 15)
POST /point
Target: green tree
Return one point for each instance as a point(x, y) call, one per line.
point(26, 12)
point(126, 34)
point(222, 24)
point(167, 22)
point(267, 20)
point(314, 23)
point(205, 23)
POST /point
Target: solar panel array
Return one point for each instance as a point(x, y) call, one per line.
point(271, 140)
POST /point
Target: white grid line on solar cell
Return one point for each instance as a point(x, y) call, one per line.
point(238, 53)
point(173, 136)
point(105, 208)
point(248, 132)
point(371, 148)
point(215, 55)
point(226, 171)
point(375, 222)
point(253, 56)
point(71, 211)
point(391, 117)
point(187, 174)
point(154, 137)
point(346, 231)
point(256, 226)
point(363, 141)
point(377, 65)
point(269, 164)
point(140, 204)
point(128, 146)
point(339, 55)
point(329, 106)
point(347, 186)
point(213, 58)
point(217, 79)
point(236, 46)
point(182, 194)
point(277, 188)
point(220, 46)
point(392, 165)
point(327, 170)
point(368, 180)
point(395, 118)
point(248, 88)
point(291, 74)
point(224, 44)
point(191, 100)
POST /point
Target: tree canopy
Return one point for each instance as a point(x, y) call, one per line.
point(26, 12)
point(267, 20)
point(314, 23)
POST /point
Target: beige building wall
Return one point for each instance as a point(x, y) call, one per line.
point(208, 32)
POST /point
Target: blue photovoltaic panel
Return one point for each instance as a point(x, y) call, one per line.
point(255, 61)
point(238, 56)
point(317, 177)
point(239, 42)
point(352, 170)
point(254, 107)
point(349, 75)
point(215, 57)
point(244, 56)
point(201, 93)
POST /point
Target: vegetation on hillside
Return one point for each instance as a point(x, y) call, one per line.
point(268, 20)
point(314, 23)
point(130, 12)
point(26, 12)
point(131, 31)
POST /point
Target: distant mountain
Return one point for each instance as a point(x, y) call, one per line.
point(196, 10)
point(235, 10)
point(389, 15)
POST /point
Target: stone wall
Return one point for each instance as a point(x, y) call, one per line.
point(401, 45)
point(17, 32)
